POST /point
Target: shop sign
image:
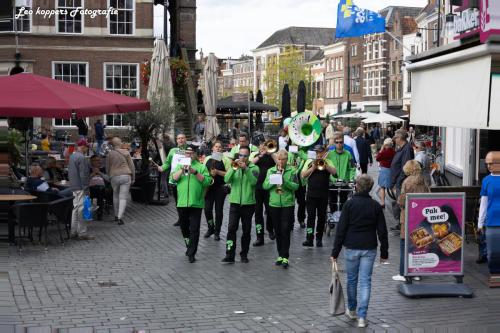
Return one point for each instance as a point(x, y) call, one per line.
point(490, 19)
point(467, 20)
point(484, 21)
point(434, 234)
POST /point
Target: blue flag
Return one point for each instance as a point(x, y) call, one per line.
point(353, 21)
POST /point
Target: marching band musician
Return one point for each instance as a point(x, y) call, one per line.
point(191, 182)
point(297, 161)
point(282, 204)
point(216, 193)
point(243, 177)
point(316, 174)
point(265, 160)
point(243, 141)
point(342, 160)
point(166, 167)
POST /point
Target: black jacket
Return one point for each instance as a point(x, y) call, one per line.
point(364, 150)
point(402, 156)
point(362, 219)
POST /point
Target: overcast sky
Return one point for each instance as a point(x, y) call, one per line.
point(230, 28)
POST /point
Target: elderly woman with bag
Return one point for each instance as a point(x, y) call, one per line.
point(121, 170)
point(361, 221)
point(414, 183)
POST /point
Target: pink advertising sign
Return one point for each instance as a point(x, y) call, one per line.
point(434, 234)
point(489, 19)
point(484, 21)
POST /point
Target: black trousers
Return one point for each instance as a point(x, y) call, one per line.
point(237, 212)
point(215, 196)
point(333, 199)
point(190, 226)
point(300, 195)
point(261, 202)
point(98, 192)
point(283, 225)
point(316, 207)
point(364, 167)
point(174, 190)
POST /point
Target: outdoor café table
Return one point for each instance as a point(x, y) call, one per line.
point(12, 199)
point(61, 185)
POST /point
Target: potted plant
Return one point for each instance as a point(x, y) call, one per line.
point(147, 126)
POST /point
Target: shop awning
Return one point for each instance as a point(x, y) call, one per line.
point(457, 90)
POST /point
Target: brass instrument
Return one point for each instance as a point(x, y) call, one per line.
point(279, 188)
point(320, 164)
point(186, 170)
point(235, 165)
point(271, 146)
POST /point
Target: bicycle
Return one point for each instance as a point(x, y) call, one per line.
point(437, 170)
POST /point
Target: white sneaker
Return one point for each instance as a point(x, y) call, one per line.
point(398, 278)
point(416, 278)
point(351, 314)
point(362, 323)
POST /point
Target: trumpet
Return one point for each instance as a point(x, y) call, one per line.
point(235, 165)
point(271, 146)
point(186, 170)
point(279, 189)
point(320, 164)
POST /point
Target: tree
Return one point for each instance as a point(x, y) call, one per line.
point(150, 124)
point(288, 68)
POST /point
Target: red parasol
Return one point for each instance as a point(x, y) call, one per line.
point(29, 95)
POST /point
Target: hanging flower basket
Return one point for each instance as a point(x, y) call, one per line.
point(145, 72)
point(179, 70)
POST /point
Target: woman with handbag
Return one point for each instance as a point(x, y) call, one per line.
point(121, 170)
point(362, 220)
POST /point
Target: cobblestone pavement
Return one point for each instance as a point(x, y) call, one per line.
point(149, 285)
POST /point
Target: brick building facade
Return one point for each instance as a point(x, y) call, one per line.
point(103, 53)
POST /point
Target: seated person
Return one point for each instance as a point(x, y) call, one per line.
point(53, 172)
point(36, 183)
point(98, 184)
point(45, 143)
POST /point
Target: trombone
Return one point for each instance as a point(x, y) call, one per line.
point(271, 146)
point(321, 162)
point(279, 188)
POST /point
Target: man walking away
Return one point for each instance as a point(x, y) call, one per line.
point(364, 151)
point(79, 174)
point(99, 135)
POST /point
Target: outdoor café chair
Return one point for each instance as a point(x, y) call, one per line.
point(29, 216)
point(62, 209)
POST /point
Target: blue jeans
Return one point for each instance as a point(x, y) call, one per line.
point(493, 246)
point(483, 252)
point(359, 264)
point(99, 144)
